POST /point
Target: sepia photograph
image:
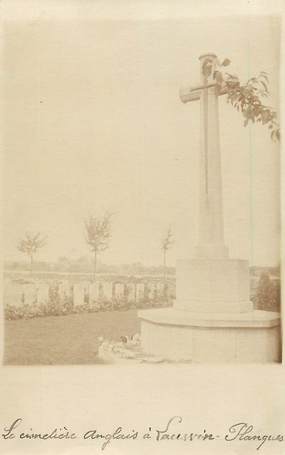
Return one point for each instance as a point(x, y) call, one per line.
point(141, 191)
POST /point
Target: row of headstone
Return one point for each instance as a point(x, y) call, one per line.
point(131, 292)
point(82, 292)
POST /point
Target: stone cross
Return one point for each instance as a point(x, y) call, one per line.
point(211, 223)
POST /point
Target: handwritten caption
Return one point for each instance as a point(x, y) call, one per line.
point(172, 430)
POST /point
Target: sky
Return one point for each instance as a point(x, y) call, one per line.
point(93, 122)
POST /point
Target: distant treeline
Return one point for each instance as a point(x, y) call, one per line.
point(84, 265)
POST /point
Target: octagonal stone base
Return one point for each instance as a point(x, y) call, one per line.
point(252, 337)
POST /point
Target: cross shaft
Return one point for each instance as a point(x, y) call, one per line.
point(211, 229)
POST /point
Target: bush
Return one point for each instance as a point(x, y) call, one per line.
point(267, 295)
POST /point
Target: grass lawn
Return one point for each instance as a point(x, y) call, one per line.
point(69, 340)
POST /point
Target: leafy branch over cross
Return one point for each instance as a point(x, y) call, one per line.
point(245, 98)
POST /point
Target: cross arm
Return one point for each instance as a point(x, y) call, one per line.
point(194, 93)
point(188, 94)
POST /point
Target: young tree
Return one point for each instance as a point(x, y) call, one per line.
point(245, 98)
point(166, 244)
point(30, 245)
point(98, 234)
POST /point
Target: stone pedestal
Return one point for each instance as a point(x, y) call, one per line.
point(212, 285)
point(175, 335)
point(212, 319)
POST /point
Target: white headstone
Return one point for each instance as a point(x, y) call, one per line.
point(61, 292)
point(107, 290)
point(140, 292)
point(171, 289)
point(13, 293)
point(160, 288)
point(78, 294)
point(94, 292)
point(131, 292)
point(151, 291)
point(30, 294)
point(119, 290)
point(66, 287)
point(43, 294)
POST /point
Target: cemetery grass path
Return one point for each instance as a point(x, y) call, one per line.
point(65, 340)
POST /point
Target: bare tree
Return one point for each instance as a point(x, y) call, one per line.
point(166, 244)
point(30, 245)
point(98, 234)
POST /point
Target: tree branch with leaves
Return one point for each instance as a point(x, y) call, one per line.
point(245, 97)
